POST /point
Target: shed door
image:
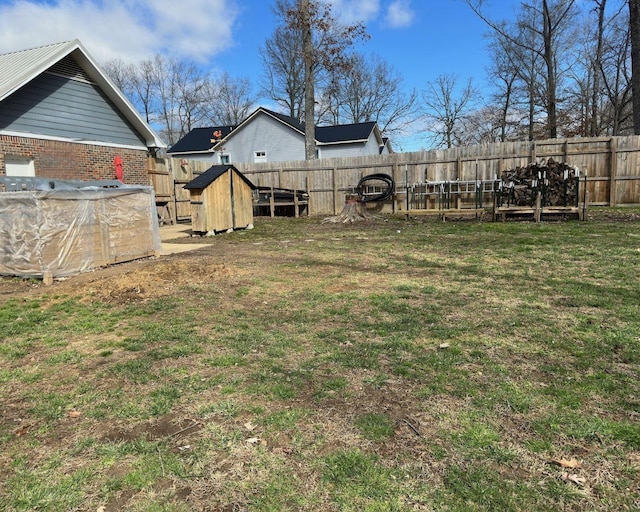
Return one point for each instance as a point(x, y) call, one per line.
point(198, 216)
point(19, 166)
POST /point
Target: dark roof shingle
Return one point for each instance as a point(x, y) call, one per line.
point(212, 174)
point(199, 139)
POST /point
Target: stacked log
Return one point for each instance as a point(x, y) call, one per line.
point(556, 182)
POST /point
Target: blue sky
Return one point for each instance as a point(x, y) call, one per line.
point(420, 38)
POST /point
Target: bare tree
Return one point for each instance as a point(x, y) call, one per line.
point(446, 107)
point(169, 93)
point(617, 76)
point(596, 67)
point(634, 28)
point(121, 74)
point(481, 126)
point(546, 19)
point(283, 80)
point(369, 90)
point(179, 93)
point(229, 100)
point(325, 43)
point(191, 87)
point(504, 75)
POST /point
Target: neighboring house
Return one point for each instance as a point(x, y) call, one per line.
point(62, 117)
point(197, 144)
point(266, 136)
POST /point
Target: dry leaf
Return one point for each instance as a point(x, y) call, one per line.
point(74, 414)
point(578, 480)
point(572, 463)
point(249, 426)
point(22, 431)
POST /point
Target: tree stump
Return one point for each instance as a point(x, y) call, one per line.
point(353, 210)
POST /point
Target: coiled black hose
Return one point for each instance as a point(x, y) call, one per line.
point(384, 195)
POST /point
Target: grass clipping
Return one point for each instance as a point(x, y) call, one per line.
point(354, 210)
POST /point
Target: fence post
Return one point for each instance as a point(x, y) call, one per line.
point(335, 190)
point(533, 152)
point(395, 176)
point(613, 171)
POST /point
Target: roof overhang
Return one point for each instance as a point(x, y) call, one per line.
point(89, 142)
point(199, 152)
point(338, 142)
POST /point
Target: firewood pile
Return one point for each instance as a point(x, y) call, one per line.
point(556, 182)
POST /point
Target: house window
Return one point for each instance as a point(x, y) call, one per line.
point(259, 156)
point(17, 166)
point(224, 158)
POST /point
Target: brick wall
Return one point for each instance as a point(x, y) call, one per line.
point(68, 160)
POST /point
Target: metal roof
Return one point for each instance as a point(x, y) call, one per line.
point(19, 68)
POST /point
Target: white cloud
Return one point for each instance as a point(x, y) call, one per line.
point(352, 11)
point(128, 29)
point(400, 14)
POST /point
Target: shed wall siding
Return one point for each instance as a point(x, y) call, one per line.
point(242, 202)
point(60, 107)
point(217, 200)
point(265, 134)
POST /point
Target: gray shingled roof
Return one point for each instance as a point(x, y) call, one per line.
point(21, 67)
point(198, 140)
point(328, 134)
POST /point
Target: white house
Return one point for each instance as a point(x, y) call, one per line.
point(267, 136)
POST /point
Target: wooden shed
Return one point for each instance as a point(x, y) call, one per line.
point(221, 199)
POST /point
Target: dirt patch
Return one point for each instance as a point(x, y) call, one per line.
point(135, 281)
point(167, 427)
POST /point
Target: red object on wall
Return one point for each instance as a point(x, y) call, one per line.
point(117, 162)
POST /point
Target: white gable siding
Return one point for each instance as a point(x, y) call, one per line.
point(351, 149)
point(214, 158)
point(264, 133)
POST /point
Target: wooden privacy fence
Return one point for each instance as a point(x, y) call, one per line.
point(611, 165)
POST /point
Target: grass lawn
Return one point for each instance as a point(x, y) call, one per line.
point(384, 366)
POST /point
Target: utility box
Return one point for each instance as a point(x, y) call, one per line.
point(221, 199)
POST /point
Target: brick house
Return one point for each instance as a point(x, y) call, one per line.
point(62, 117)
